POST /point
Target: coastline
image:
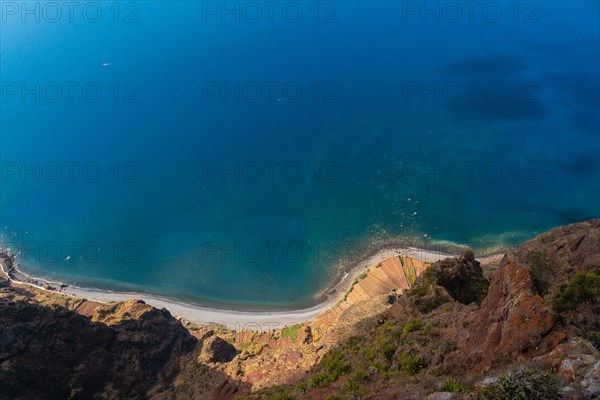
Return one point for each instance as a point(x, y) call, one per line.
point(231, 319)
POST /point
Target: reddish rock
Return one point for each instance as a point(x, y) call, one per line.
point(573, 359)
point(568, 249)
point(225, 391)
point(291, 357)
point(512, 319)
point(254, 377)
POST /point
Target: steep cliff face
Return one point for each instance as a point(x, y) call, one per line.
point(54, 353)
point(511, 322)
point(518, 318)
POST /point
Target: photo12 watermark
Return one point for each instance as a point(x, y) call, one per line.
point(469, 92)
point(69, 252)
point(272, 12)
point(71, 12)
point(464, 172)
point(470, 12)
point(70, 92)
point(267, 252)
point(268, 172)
point(269, 92)
point(69, 172)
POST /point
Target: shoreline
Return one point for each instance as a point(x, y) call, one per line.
point(231, 319)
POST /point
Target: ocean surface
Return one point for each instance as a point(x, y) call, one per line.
point(238, 154)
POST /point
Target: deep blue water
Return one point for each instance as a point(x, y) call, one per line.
point(480, 129)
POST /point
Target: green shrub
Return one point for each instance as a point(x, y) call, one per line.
point(369, 352)
point(583, 287)
point(353, 344)
point(419, 291)
point(361, 375)
point(410, 273)
point(428, 295)
point(452, 385)
point(477, 291)
point(351, 386)
point(291, 332)
point(335, 362)
point(522, 385)
point(363, 275)
point(321, 380)
point(334, 365)
point(429, 328)
point(421, 285)
point(410, 364)
point(353, 383)
point(302, 386)
point(275, 393)
point(449, 346)
point(540, 271)
point(389, 326)
point(252, 348)
point(411, 327)
point(388, 350)
point(382, 368)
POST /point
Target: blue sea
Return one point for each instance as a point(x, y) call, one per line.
point(239, 154)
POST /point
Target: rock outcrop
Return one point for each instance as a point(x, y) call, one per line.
point(217, 350)
point(462, 278)
point(48, 352)
point(512, 319)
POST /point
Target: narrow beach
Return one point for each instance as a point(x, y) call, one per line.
point(233, 319)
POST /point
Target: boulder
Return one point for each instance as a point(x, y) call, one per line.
point(216, 350)
point(462, 278)
point(591, 382)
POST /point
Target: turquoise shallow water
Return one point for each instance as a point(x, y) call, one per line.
point(234, 159)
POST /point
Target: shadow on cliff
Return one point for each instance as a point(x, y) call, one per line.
point(54, 353)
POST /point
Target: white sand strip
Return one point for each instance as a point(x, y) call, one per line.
point(250, 320)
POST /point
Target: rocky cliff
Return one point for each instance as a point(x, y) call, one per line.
point(54, 353)
point(526, 328)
